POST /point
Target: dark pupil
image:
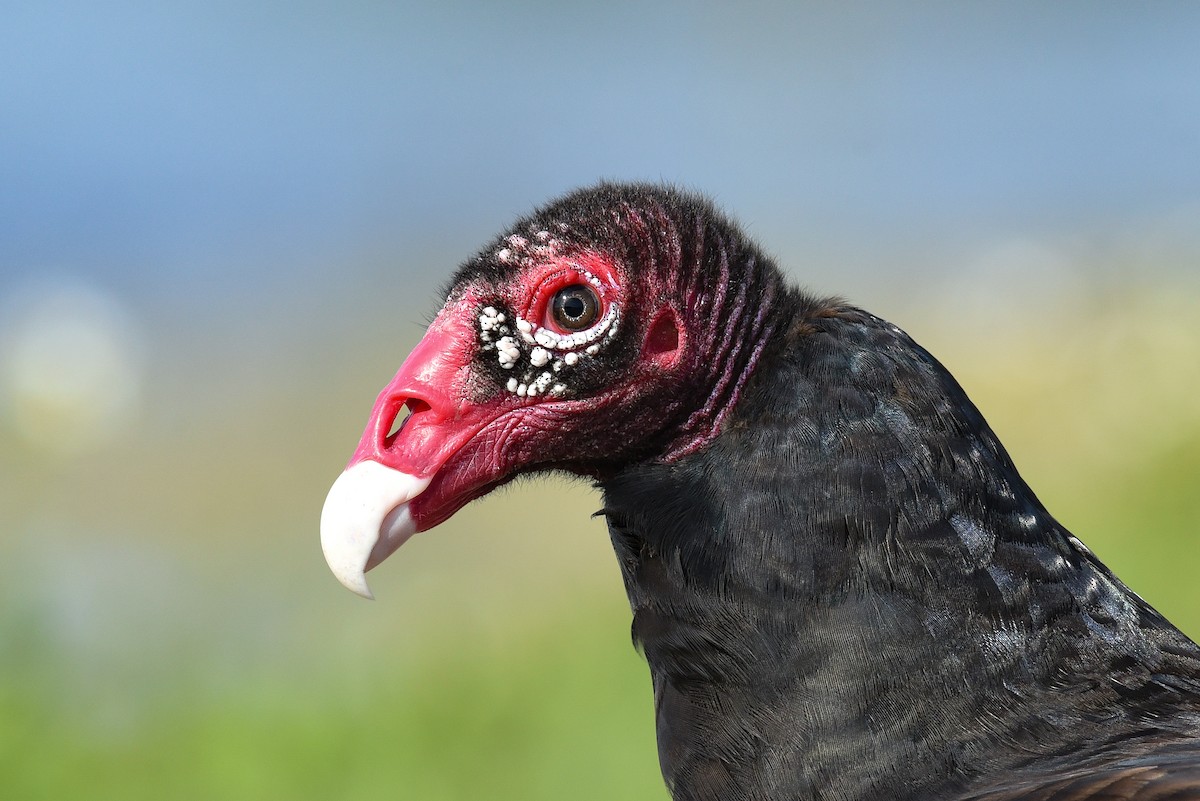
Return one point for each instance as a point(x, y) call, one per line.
point(574, 307)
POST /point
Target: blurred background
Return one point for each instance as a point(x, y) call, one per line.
point(223, 225)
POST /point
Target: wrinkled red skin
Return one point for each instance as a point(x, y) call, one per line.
point(442, 423)
point(470, 445)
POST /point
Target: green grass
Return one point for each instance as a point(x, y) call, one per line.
point(456, 723)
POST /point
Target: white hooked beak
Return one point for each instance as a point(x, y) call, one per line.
point(365, 518)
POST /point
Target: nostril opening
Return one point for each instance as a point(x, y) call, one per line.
point(404, 413)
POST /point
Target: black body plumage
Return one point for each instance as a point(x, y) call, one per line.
point(850, 593)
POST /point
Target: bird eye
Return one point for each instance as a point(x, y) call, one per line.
point(575, 307)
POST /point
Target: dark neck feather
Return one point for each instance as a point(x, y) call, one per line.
point(853, 574)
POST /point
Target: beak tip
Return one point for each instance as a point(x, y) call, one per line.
point(356, 585)
point(348, 575)
point(360, 589)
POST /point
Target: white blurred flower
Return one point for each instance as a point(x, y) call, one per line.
point(70, 366)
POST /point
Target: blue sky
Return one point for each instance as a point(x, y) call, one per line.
point(194, 154)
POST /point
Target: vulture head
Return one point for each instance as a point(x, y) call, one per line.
point(614, 326)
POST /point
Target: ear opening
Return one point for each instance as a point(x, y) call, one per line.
point(662, 342)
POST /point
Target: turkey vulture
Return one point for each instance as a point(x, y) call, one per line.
point(842, 586)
